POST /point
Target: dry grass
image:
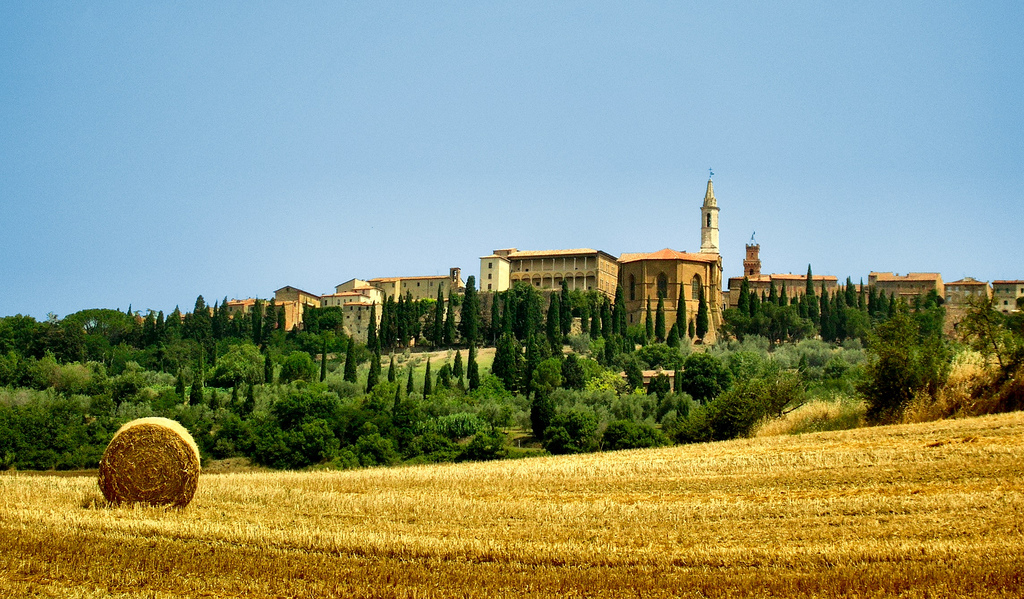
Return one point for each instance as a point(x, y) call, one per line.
point(816, 416)
point(919, 510)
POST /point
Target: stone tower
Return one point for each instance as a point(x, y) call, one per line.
point(709, 222)
point(752, 263)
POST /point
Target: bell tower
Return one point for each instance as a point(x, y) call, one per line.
point(709, 222)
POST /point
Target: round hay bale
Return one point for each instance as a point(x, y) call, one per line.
point(150, 460)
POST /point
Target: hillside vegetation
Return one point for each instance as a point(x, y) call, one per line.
point(918, 510)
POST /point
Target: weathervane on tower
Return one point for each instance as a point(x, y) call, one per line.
point(711, 173)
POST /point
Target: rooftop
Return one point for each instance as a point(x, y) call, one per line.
point(912, 276)
point(668, 254)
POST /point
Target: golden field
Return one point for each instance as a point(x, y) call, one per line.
point(919, 510)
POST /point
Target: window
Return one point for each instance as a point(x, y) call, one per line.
point(488, 287)
point(488, 276)
point(695, 287)
point(489, 265)
point(709, 219)
point(662, 285)
point(632, 287)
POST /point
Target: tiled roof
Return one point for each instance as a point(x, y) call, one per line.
point(394, 279)
point(296, 289)
point(243, 302)
point(968, 281)
point(913, 276)
point(668, 254)
point(345, 294)
point(1018, 282)
point(551, 253)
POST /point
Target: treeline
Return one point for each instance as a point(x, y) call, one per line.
point(567, 375)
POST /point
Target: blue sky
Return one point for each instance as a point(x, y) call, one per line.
point(152, 152)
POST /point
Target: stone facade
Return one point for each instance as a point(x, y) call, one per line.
point(907, 286)
point(583, 269)
point(676, 276)
point(1005, 294)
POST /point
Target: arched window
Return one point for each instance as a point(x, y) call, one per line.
point(632, 287)
point(662, 285)
point(709, 219)
point(695, 284)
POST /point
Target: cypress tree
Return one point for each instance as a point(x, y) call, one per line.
point(681, 310)
point(257, 322)
point(565, 311)
point(595, 324)
point(401, 310)
point(607, 323)
point(472, 369)
point(250, 401)
point(391, 370)
point(373, 377)
point(648, 323)
point(673, 335)
point(532, 361)
point(437, 335)
point(506, 361)
point(282, 319)
point(179, 385)
point(702, 316)
point(323, 362)
point(620, 312)
point(350, 361)
point(449, 323)
point(773, 296)
point(409, 385)
point(755, 304)
point(470, 324)
point(554, 323)
point(743, 302)
point(428, 386)
point(457, 370)
point(825, 318)
point(268, 369)
point(782, 295)
point(196, 394)
point(270, 320)
point(860, 297)
point(372, 340)
point(691, 329)
point(659, 321)
point(838, 316)
point(810, 282)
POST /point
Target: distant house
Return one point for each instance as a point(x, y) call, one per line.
point(421, 287)
point(1005, 295)
point(907, 286)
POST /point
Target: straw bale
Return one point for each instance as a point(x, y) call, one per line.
point(150, 460)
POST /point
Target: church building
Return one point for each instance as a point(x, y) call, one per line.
point(678, 276)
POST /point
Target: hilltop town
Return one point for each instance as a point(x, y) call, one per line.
point(681, 279)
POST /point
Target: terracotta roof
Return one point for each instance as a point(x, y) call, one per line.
point(394, 279)
point(495, 256)
point(968, 281)
point(243, 302)
point(345, 294)
point(296, 289)
point(668, 254)
point(787, 277)
point(912, 276)
point(546, 253)
point(1017, 282)
point(360, 304)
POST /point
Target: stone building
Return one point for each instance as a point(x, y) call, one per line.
point(422, 287)
point(793, 285)
point(1005, 295)
point(293, 302)
point(907, 286)
point(960, 293)
point(677, 277)
point(584, 269)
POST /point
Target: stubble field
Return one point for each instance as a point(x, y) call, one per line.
point(924, 510)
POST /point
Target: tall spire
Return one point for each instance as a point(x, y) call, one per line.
point(709, 197)
point(709, 222)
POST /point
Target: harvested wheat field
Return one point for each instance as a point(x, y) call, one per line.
point(921, 510)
